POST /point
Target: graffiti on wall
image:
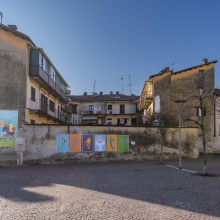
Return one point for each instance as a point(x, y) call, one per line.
point(8, 128)
point(92, 143)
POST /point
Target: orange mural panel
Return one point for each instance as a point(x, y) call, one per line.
point(112, 143)
point(75, 143)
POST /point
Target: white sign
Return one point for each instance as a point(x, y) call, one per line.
point(20, 144)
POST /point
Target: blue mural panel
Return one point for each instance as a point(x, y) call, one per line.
point(100, 142)
point(62, 142)
point(87, 142)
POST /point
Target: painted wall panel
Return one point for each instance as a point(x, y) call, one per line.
point(100, 142)
point(112, 143)
point(75, 143)
point(62, 142)
point(123, 143)
point(8, 128)
point(87, 143)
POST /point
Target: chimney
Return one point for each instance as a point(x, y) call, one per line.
point(167, 69)
point(13, 27)
point(204, 61)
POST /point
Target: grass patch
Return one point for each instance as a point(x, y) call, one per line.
point(7, 143)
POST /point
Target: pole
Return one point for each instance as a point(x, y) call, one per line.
point(180, 146)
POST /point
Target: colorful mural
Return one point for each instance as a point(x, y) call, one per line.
point(123, 143)
point(75, 142)
point(87, 143)
point(62, 143)
point(100, 142)
point(8, 128)
point(112, 143)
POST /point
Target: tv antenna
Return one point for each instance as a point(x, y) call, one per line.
point(122, 85)
point(94, 87)
point(172, 65)
point(1, 15)
point(130, 84)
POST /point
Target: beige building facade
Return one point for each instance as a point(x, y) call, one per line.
point(105, 109)
point(30, 83)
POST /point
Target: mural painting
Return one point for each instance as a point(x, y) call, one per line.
point(112, 143)
point(100, 142)
point(75, 142)
point(87, 143)
point(8, 128)
point(123, 143)
point(62, 143)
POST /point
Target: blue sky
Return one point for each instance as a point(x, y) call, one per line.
point(103, 41)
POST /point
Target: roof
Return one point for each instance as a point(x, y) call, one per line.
point(16, 33)
point(194, 67)
point(103, 98)
point(165, 70)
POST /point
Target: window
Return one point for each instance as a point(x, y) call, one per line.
point(109, 107)
point(201, 112)
point(74, 109)
point(122, 121)
point(122, 109)
point(109, 121)
point(52, 106)
point(91, 108)
point(32, 121)
point(102, 107)
point(201, 73)
point(33, 91)
point(43, 103)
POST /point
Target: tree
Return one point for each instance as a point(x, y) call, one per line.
point(162, 122)
point(203, 101)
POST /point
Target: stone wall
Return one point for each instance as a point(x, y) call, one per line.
point(40, 141)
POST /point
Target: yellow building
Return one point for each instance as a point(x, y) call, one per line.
point(163, 91)
point(30, 83)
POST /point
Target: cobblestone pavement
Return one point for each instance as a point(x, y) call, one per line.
point(115, 190)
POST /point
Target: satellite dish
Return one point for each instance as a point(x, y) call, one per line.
point(68, 92)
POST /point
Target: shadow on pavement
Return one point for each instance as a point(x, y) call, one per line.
point(142, 180)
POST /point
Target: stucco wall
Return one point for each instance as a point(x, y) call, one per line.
point(40, 143)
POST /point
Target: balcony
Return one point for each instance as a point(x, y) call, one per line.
point(43, 79)
point(44, 111)
point(146, 97)
point(114, 111)
point(145, 101)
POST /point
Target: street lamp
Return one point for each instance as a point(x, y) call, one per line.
point(180, 102)
point(201, 114)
